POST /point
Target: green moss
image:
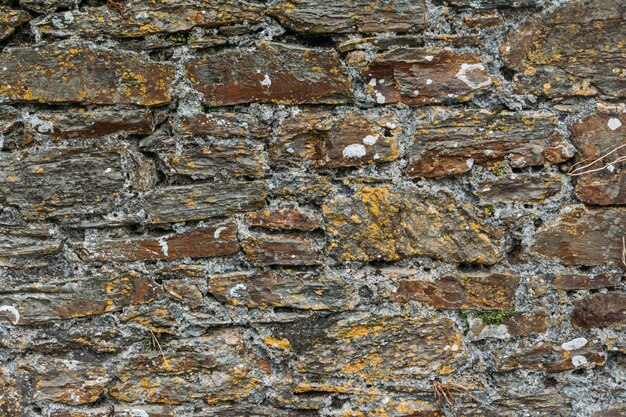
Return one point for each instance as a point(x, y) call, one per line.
point(147, 345)
point(495, 317)
point(498, 169)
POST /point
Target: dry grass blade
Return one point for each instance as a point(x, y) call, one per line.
point(444, 393)
point(575, 172)
point(624, 250)
point(155, 341)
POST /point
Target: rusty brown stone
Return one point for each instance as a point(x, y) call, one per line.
point(465, 292)
point(85, 124)
point(139, 18)
point(387, 224)
point(79, 72)
point(451, 141)
point(301, 290)
point(221, 125)
point(571, 282)
point(188, 291)
point(126, 411)
point(594, 137)
point(10, 397)
point(345, 16)
point(584, 236)
point(285, 219)
point(571, 51)
point(425, 76)
point(600, 310)
point(205, 242)
point(517, 188)
point(10, 19)
point(487, 19)
point(280, 250)
point(270, 72)
point(334, 141)
point(516, 324)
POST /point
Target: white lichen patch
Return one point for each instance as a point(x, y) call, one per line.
point(465, 75)
point(234, 291)
point(574, 344)
point(266, 82)
point(164, 248)
point(495, 332)
point(579, 360)
point(614, 123)
point(372, 82)
point(12, 310)
point(370, 139)
point(218, 232)
point(429, 58)
point(356, 150)
point(380, 99)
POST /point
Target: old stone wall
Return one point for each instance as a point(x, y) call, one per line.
point(299, 208)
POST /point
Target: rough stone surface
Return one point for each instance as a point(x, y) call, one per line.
point(300, 208)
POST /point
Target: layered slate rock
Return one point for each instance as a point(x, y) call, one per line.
point(214, 368)
point(11, 19)
point(345, 16)
point(218, 240)
point(601, 134)
point(49, 297)
point(80, 72)
point(571, 282)
point(491, 4)
point(517, 188)
point(335, 141)
point(87, 124)
point(202, 201)
point(285, 219)
point(468, 292)
point(451, 141)
point(70, 184)
point(140, 18)
point(386, 224)
point(227, 125)
point(425, 76)
point(584, 236)
point(280, 250)
point(600, 310)
point(301, 290)
point(31, 241)
point(373, 347)
point(66, 381)
point(516, 324)
point(270, 73)
point(575, 50)
point(46, 6)
point(208, 159)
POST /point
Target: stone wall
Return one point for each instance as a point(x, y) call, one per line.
point(298, 208)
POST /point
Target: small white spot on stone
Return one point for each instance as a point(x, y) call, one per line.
point(429, 58)
point(266, 81)
point(579, 360)
point(380, 99)
point(4, 68)
point(376, 156)
point(233, 291)
point(574, 344)
point(416, 93)
point(469, 163)
point(429, 81)
point(372, 82)
point(138, 413)
point(463, 75)
point(610, 168)
point(381, 81)
point(106, 171)
point(614, 123)
point(12, 310)
point(164, 248)
point(356, 150)
point(370, 140)
point(218, 232)
point(390, 125)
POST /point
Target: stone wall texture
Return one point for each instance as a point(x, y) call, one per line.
point(300, 208)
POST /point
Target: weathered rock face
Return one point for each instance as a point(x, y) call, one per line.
point(381, 223)
point(300, 208)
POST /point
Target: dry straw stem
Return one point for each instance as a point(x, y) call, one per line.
point(624, 250)
point(444, 393)
point(155, 342)
point(575, 172)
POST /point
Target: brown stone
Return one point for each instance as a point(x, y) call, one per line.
point(29, 241)
point(270, 73)
point(302, 290)
point(205, 242)
point(451, 141)
point(85, 124)
point(491, 4)
point(584, 236)
point(617, 411)
point(345, 16)
point(189, 291)
point(380, 43)
point(334, 141)
point(11, 19)
point(517, 188)
point(600, 310)
point(467, 292)
point(374, 348)
point(10, 397)
point(46, 6)
point(221, 125)
point(280, 250)
point(550, 358)
point(541, 404)
point(126, 411)
point(216, 159)
point(139, 18)
point(299, 186)
point(71, 183)
point(285, 219)
point(202, 201)
point(79, 72)
point(571, 282)
point(516, 324)
point(66, 381)
point(425, 76)
point(387, 224)
point(594, 137)
point(235, 410)
point(234, 371)
point(488, 19)
point(49, 298)
point(574, 50)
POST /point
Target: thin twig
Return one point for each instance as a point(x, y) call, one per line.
point(165, 361)
point(581, 170)
point(624, 250)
